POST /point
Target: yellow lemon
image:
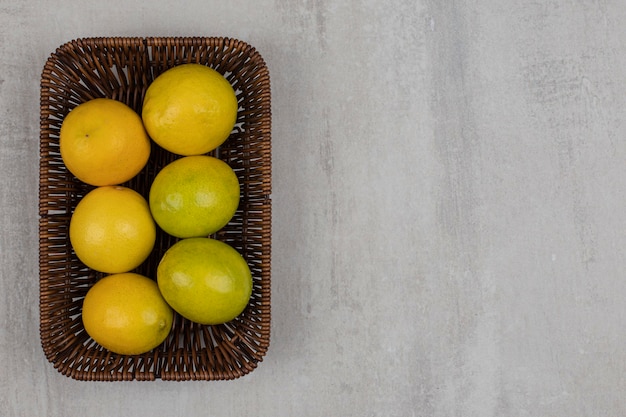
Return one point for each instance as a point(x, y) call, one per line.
point(205, 280)
point(126, 314)
point(103, 142)
point(189, 109)
point(112, 230)
point(194, 196)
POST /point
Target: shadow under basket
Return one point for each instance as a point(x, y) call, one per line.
point(122, 69)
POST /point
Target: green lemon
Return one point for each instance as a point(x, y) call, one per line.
point(205, 280)
point(194, 196)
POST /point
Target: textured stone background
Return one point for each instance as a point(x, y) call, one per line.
point(449, 207)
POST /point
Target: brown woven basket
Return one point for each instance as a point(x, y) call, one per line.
point(122, 69)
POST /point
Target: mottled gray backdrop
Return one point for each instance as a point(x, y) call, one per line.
point(449, 189)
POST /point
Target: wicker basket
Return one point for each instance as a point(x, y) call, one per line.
point(122, 69)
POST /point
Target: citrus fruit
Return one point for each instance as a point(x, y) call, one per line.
point(189, 109)
point(103, 142)
point(194, 196)
point(205, 280)
point(111, 229)
point(126, 314)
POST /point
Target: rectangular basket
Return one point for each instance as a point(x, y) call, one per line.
point(122, 69)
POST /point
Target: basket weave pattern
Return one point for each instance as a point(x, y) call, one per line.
point(122, 69)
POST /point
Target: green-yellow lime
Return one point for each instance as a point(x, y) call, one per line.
point(190, 109)
point(126, 314)
point(205, 280)
point(194, 196)
point(112, 230)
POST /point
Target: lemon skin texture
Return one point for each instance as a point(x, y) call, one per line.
point(194, 196)
point(126, 314)
point(205, 280)
point(112, 230)
point(190, 109)
point(103, 142)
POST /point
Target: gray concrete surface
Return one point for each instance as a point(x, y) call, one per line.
point(449, 208)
